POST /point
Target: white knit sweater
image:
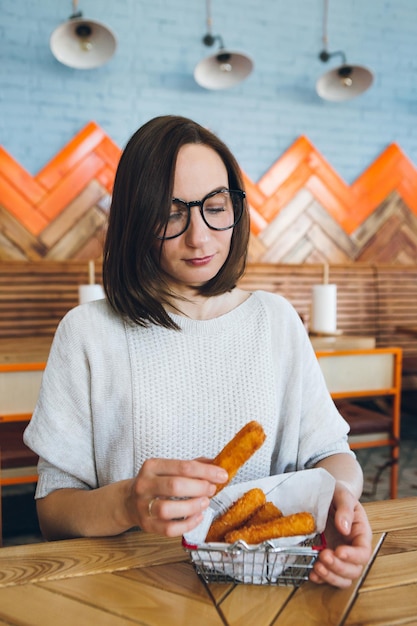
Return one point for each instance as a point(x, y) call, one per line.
point(114, 394)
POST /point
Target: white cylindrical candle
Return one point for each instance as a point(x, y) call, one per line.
point(324, 309)
point(87, 293)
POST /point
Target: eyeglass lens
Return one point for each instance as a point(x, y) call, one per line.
point(220, 211)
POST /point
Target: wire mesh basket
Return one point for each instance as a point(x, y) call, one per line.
point(264, 564)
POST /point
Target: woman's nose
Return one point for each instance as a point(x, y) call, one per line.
point(197, 231)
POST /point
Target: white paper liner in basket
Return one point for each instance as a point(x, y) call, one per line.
point(307, 490)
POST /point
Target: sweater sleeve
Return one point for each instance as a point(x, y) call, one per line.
point(81, 426)
point(310, 427)
point(324, 430)
point(60, 430)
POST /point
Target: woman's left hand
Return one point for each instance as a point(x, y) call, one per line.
point(349, 536)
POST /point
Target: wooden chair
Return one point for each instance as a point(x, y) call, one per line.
point(1, 514)
point(354, 377)
point(19, 388)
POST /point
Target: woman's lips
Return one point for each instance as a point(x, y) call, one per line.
point(199, 261)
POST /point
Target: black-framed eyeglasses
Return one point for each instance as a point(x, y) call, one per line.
point(220, 210)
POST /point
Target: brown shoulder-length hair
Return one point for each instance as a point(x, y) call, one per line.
point(133, 280)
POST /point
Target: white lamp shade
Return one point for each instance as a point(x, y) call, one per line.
point(223, 70)
point(341, 84)
point(82, 53)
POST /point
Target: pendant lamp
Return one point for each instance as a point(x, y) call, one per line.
point(345, 81)
point(223, 69)
point(82, 44)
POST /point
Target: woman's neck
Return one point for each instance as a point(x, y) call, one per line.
point(205, 308)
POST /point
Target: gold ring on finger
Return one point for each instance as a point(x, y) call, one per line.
point(150, 505)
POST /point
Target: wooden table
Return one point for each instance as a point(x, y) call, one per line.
point(342, 342)
point(143, 579)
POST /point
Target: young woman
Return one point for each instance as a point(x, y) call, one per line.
point(142, 388)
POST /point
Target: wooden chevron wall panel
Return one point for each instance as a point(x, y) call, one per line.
point(301, 209)
point(303, 212)
point(60, 213)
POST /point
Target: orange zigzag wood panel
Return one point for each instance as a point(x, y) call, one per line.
point(302, 166)
point(35, 201)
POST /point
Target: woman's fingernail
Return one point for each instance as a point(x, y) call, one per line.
point(345, 525)
point(222, 475)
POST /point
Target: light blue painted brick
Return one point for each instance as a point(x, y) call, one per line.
point(43, 103)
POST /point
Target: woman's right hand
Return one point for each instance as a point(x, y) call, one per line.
point(168, 496)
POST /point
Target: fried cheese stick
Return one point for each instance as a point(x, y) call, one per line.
point(236, 515)
point(266, 513)
point(239, 450)
point(287, 526)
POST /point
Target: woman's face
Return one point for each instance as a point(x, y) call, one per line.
point(197, 255)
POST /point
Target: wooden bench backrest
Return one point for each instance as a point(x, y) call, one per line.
point(371, 300)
